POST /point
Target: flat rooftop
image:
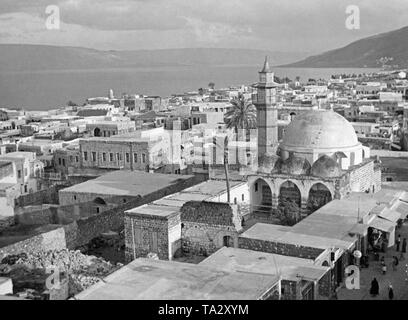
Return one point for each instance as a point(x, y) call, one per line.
point(147, 279)
point(41, 142)
point(127, 183)
point(289, 268)
point(154, 210)
point(275, 233)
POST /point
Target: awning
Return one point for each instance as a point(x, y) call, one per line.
point(382, 224)
point(390, 215)
point(402, 209)
point(359, 229)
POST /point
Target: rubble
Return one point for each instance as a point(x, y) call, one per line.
point(83, 271)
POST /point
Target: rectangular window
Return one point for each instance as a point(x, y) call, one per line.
point(118, 156)
point(110, 157)
point(71, 159)
point(63, 162)
point(93, 156)
point(104, 157)
point(76, 159)
point(86, 156)
point(59, 161)
point(127, 157)
point(143, 158)
point(135, 157)
point(19, 174)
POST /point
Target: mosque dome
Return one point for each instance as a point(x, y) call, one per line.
point(319, 130)
point(296, 166)
point(268, 162)
point(326, 167)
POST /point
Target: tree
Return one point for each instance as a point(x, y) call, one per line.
point(241, 116)
point(225, 164)
point(289, 212)
point(211, 85)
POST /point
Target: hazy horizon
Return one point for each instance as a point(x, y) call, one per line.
point(311, 26)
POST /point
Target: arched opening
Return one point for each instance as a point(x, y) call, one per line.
point(319, 195)
point(228, 241)
point(100, 201)
point(289, 205)
point(97, 132)
point(261, 197)
point(289, 192)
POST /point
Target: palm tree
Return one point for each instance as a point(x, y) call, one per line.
point(241, 116)
point(225, 163)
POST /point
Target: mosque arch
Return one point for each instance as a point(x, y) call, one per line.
point(261, 196)
point(319, 195)
point(289, 193)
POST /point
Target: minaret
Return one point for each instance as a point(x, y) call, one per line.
point(267, 112)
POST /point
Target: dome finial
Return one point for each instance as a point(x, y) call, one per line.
point(266, 67)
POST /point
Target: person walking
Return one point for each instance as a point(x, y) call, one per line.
point(390, 292)
point(398, 242)
point(394, 263)
point(375, 288)
point(384, 269)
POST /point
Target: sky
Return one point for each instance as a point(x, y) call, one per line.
point(285, 25)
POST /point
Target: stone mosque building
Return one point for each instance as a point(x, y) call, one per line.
point(319, 158)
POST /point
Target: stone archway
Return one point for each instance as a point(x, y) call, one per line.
point(99, 201)
point(97, 132)
point(290, 203)
point(319, 195)
point(261, 197)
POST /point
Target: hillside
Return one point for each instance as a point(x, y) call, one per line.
point(39, 57)
point(363, 53)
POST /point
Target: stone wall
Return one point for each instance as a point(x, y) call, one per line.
point(49, 195)
point(36, 215)
point(325, 286)
point(208, 226)
point(51, 240)
point(364, 178)
point(285, 249)
point(6, 222)
point(145, 234)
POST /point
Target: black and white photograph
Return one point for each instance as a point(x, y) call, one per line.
point(203, 154)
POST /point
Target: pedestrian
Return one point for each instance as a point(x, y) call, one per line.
point(398, 242)
point(404, 245)
point(390, 292)
point(375, 288)
point(384, 269)
point(394, 263)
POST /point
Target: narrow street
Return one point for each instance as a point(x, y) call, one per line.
point(398, 279)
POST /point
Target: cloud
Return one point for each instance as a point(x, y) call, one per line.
point(307, 25)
